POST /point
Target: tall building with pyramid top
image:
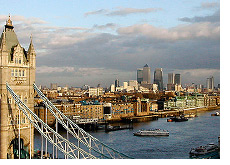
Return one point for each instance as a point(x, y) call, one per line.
point(146, 74)
point(17, 68)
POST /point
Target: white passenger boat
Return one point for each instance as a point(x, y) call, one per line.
point(151, 132)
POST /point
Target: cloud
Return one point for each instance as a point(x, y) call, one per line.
point(123, 11)
point(79, 55)
point(101, 11)
point(210, 18)
point(81, 76)
point(106, 26)
point(195, 45)
point(182, 32)
point(127, 11)
point(18, 18)
point(209, 5)
point(47, 69)
point(191, 74)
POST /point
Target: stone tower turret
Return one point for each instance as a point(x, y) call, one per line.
point(17, 68)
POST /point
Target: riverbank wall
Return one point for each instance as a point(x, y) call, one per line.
point(184, 111)
point(163, 114)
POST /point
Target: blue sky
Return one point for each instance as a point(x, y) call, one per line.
point(72, 12)
point(90, 42)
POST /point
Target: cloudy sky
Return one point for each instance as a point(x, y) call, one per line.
point(95, 42)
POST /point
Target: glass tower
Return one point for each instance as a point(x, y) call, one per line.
point(158, 78)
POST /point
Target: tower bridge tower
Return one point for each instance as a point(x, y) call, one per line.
point(17, 68)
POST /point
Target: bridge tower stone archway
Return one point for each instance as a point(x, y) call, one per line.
point(17, 68)
point(13, 148)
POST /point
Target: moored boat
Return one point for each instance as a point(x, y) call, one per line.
point(177, 119)
point(151, 132)
point(180, 119)
point(170, 120)
point(115, 128)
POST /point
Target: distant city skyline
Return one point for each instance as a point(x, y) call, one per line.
point(170, 78)
point(91, 42)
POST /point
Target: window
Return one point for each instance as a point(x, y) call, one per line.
point(17, 119)
point(10, 119)
point(23, 73)
point(16, 73)
point(20, 60)
point(20, 97)
point(12, 72)
point(19, 73)
point(23, 120)
point(25, 100)
point(16, 60)
point(9, 100)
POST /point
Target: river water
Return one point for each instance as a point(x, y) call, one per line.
point(183, 136)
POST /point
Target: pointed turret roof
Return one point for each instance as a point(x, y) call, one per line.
point(10, 36)
point(31, 47)
point(146, 65)
point(10, 39)
point(3, 41)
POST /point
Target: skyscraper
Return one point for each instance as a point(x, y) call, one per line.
point(116, 83)
point(177, 79)
point(210, 83)
point(171, 79)
point(158, 78)
point(139, 75)
point(147, 74)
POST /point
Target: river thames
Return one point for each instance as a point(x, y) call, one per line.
point(183, 136)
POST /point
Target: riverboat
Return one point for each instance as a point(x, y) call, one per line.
point(209, 151)
point(115, 128)
point(151, 132)
point(216, 114)
point(177, 119)
point(180, 119)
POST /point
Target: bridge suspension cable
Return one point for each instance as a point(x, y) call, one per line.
point(94, 146)
point(72, 151)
